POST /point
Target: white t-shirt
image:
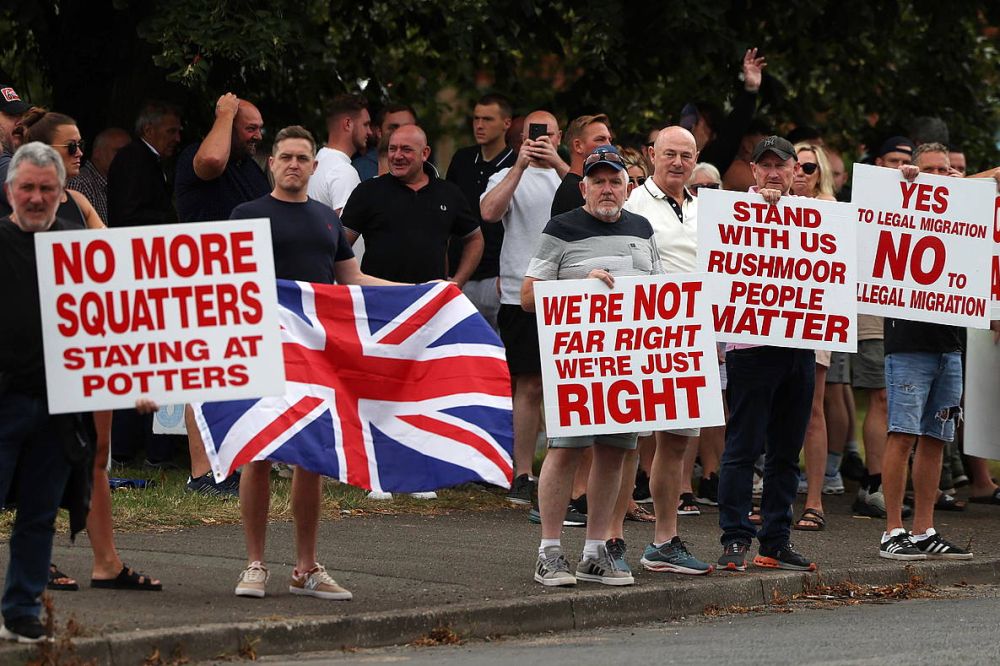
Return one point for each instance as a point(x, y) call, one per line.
point(676, 239)
point(334, 179)
point(522, 225)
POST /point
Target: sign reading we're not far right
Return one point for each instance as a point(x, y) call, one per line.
point(925, 246)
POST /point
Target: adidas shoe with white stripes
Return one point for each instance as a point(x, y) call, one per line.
point(937, 548)
point(898, 546)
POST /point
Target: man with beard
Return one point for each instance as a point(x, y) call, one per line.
point(12, 107)
point(348, 128)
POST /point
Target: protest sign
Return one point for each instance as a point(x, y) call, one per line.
point(995, 272)
point(637, 357)
point(174, 313)
point(925, 247)
point(982, 395)
point(781, 275)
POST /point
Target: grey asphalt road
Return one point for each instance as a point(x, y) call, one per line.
point(963, 630)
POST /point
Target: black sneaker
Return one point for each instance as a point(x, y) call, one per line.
point(640, 494)
point(899, 547)
point(783, 557)
point(935, 547)
point(852, 466)
point(579, 504)
point(207, 485)
point(708, 490)
point(522, 490)
point(734, 556)
point(573, 517)
point(26, 629)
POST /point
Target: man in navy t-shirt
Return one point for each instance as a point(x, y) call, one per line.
point(309, 244)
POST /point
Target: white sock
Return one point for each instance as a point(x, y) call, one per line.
point(833, 463)
point(851, 446)
point(926, 535)
point(896, 532)
point(590, 547)
point(546, 543)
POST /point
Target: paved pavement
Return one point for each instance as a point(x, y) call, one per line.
point(410, 574)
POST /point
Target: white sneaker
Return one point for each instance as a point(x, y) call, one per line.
point(379, 495)
point(318, 583)
point(424, 496)
point(253, 581)
point(758, 484)
point(833, 485)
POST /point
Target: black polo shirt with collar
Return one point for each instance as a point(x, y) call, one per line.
point(406, 232)
point(471, 173)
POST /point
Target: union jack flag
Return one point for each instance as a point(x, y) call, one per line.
point(399, 389)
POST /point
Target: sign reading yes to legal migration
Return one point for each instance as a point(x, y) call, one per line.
point(925, 246)
point(781, 275)
point(637, 357)
point(176, 313)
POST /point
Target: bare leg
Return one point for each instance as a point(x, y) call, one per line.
point(647, 449)
point(979, 475)
point(255, 500)
point(602, 490)
point(554, 485)
point(624, 501)
point(527, 397)
point(582, 475)
point(897, 455)
point(838, 415)
point(196, 447)
point(852, 414)
point(687, 465)
point(665, 483)
point(815, 444)
point(874, 430)
point(306, 493)
point(926, 477)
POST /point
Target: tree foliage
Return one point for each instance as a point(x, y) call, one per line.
point(858, 70)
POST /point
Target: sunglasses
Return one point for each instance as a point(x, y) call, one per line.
point(637, 181)
point(71, 147)
point(603, 156)
point(702, 186)
point(808, 168)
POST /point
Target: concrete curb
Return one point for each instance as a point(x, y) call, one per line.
point(560, 611)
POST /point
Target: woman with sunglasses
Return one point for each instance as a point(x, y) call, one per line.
point(60, 131)
point(636, 167)
point(813, 178)
point(704, 176)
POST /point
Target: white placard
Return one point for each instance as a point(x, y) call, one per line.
point(781, 275)
point(995, 272)
point(982, 396)
point(174, 313)
point(925, 246)
point(637, 357)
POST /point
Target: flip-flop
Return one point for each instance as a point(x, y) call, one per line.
point(947, 502)
point(55, 576)
point(127, 579)
point(987, 499)
point(817, 520)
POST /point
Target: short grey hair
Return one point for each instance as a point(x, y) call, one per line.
point(152, 112)
point(708, 168)
point(40, 155)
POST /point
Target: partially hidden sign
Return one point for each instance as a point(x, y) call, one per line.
point(175, 313)
point(925, 247)
point(781, 275)
point(637, 357)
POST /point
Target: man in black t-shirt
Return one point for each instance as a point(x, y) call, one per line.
point(310, 245)
point(470, 169)
point(407, 216)
point(583, 136)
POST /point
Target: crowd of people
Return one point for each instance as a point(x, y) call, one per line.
point(527, 201)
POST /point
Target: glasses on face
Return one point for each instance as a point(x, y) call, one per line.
point(603, 156)
point(637, 181)
point(808, 168)
point(702, 186)
point(71, 147)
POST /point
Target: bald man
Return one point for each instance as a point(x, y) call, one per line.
point(520, 197)
point(407, 216)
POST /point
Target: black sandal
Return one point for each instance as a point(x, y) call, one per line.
point(816, 518)
point(127, 579)
point(67, 584)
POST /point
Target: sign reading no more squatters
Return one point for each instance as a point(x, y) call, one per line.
point(639, 357)
point(925, 246)
point(174, 313)
point(781, 275)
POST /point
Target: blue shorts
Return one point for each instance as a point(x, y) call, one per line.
point(620, 440)
point(925, 392)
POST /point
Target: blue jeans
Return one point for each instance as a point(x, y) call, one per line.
point(924, 390)
point(770, 394)
point(32, 450)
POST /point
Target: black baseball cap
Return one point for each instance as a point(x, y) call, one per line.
point(896, 144)
point(10, 103)
point(773, 144)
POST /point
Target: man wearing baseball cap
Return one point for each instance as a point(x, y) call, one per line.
point(770, 398)
point(599, 233)
point(895, 152)
point(12, 107)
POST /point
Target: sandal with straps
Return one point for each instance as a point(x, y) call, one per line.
point(812, 520)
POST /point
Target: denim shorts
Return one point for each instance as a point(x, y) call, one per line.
point(619, 440)
point(925, 392)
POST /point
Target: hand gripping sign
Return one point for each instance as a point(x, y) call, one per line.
point(637, 357)
point(781, 275)
point(925, 246)
point(175, 313)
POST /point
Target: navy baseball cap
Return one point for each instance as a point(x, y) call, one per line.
point(606, 155)
point(896, 144)
point(10, 102)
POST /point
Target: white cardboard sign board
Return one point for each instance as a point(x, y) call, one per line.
point(175, 313)
point(982, 395)
point(995, 272)
point(781, 275)
point(637, 357)
point(925, 246)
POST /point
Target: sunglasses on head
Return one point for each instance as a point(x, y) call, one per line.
point(603, 156)
point(702, 186)
point(71, 147)
point(808, 168)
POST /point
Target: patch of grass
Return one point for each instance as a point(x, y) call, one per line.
point(167, 506)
